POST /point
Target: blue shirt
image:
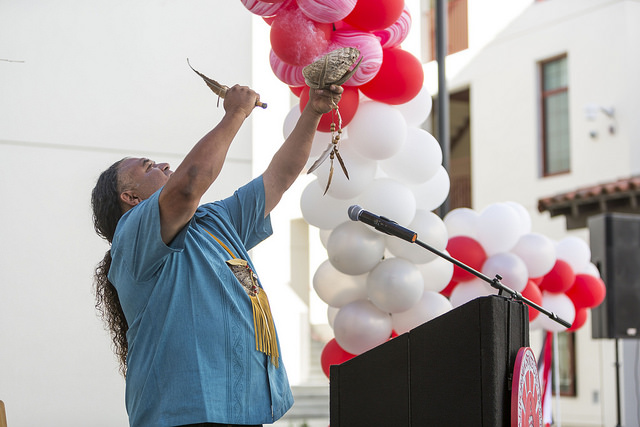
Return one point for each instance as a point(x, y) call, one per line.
point(192, 355)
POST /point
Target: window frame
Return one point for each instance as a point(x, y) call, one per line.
point(543, 95)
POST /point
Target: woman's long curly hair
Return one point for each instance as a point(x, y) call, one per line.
point(106, 213)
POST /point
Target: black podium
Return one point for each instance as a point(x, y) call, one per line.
point(454, 370)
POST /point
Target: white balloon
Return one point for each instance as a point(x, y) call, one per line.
point(574, 251)
point(290, 120)
point(498, 228)
point(353, 249)
point(418, 109)
point(431, 194)
point(395, 285)
point(510, 267)
point(590, 269)
point(323, 211)
point(324, 236)
point(462, 222)
point(320, 139)
point(430, 306)
point(361, 326)
point(332, 312)
point(361, 173)
point(336, 288)
point(536, 324)
point(377, 131)
point(467, 291)
point(436, 274)
point(538, 253)
point(391, 199)
point(561, 305)
point(431, 231)
point(523, 214)
point(417, 161)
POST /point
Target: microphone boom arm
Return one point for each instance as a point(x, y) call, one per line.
point(380, 223)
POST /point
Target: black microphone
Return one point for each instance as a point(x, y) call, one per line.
point(380, 223)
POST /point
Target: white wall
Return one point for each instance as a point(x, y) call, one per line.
point(97, 81)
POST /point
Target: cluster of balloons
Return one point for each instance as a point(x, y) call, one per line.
point(304, 30)
point(498, 240)
point(377, 286)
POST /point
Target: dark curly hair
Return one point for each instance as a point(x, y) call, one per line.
point(106, 213)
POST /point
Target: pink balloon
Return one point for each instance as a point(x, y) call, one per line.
point(395, 34)
point(287, 73)
point(370, 49)
point(262, 8)
point(327, 11)
point(298, 40)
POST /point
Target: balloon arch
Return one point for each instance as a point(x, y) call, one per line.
point(377, 286)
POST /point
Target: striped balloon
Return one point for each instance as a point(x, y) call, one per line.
point(395, 34)
point(327, 11)
point(370, 49)
point(287, 73)
point(262, 8)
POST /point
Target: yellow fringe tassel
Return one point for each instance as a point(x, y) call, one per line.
point(263, 326)
point(264, 329)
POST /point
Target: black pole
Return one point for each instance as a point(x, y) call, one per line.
point(443, 93)
point(618, 405)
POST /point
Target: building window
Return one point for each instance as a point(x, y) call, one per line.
point(567, 364)
point(555, 116)
point(457, 27)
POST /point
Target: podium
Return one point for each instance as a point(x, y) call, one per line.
point(454, 370)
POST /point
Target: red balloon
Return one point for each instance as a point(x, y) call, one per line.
point(581, 318)
point(587, 291)
point(447, 291)
point(559, 279)
point(399, 79)
point(296, 39)
point(536, 280)
point(333, 354)
point(468, 251)
point(348, 105)
point(375, 14)
point(532, 293)
point(297, 90)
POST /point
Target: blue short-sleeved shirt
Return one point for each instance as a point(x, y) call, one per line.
point(192, 354)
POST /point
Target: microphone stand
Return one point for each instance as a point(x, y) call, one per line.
point(495, 283)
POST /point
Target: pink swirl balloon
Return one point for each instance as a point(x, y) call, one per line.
point(262, 8)
point(396, 33)
point(287, 73)
point(327, 11)
point(370, 50)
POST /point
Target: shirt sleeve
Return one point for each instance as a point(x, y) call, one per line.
point(138, 245)
point(245, 211)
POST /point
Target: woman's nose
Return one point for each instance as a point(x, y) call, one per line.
point(162, 166)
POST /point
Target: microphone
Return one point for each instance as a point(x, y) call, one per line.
point(380, 223)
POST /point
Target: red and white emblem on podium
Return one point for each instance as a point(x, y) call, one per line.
point(526, 396)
